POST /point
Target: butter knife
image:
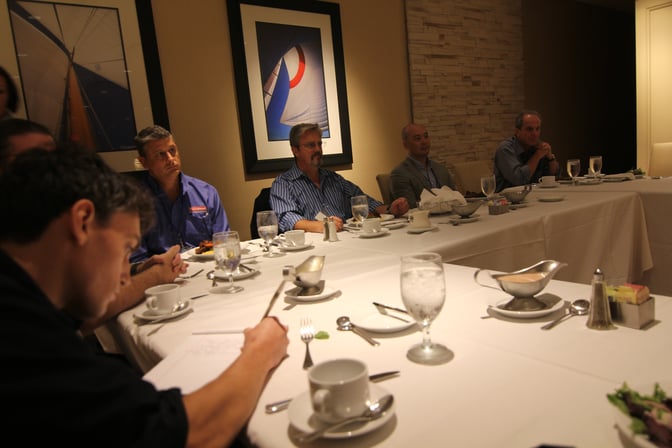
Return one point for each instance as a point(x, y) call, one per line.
point(390, 307)
point(278, 406)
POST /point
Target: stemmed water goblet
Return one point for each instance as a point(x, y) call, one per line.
point(360, 208)
point(423, 291)
point(488, 184)
point(573, 169)
point(595, 166)
point(226, 246)
point(267, 226)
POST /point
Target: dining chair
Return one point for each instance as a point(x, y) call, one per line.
point(261, 202)
point(385, 186)
point(468, 175)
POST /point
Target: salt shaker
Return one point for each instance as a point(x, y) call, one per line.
point(600, 315)
point(326, 229)
point(333, 233)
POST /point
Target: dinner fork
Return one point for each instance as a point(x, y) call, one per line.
point(307, 334)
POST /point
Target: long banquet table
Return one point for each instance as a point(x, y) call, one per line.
point(509, 384)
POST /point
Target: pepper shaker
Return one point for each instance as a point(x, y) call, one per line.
point(600, 315)
point(333, 233)
point(326, 229)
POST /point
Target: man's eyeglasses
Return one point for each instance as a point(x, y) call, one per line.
point(313, 145)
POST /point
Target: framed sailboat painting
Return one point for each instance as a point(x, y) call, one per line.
point(81, 75)
point(288, 64)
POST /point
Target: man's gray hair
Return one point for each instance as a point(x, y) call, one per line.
point(298, 130)
point(149, 134)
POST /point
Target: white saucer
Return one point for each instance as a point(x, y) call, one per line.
point(150, 315)
point(238, 274)
point(529, 314)
point(458, 221)
point(549, 198)
point(293, 294)
point(420, 229)
point(380, 323)
point(191, 253)
point(301, 416)
point(395, 225)
point(296, 248)
point(383, 231)
point(386, 217)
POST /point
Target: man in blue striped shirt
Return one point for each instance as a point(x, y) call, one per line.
point(307, 190)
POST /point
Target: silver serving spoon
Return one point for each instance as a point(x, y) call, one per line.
point(579, 307)
point(344, 324)
point(211, 276)
point(374, 411)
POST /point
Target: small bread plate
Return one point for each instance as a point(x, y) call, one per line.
point(384, 323)
point(150, 316)
point(396, 224)
point(458, 221)
point(238, 274)
point(302, 418)
point(420, 229)
point(550, 198)
point(205, 256)
point(300, 294)
point(553, 303)
point(624, 421)
point(382, 232)
point(296, 248)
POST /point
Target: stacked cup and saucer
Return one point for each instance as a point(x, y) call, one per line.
point(164, 302)
point(372, 228)
point(341, 403)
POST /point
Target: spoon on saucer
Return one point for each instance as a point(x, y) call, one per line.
point(579, 307)
point(344, 324)
point(374, 411)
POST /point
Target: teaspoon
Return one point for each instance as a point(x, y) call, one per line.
point(344, 324)
point(375, 410)
point(578, 307)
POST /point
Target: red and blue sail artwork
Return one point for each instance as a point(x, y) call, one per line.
point(292, 72)
point(74, 75)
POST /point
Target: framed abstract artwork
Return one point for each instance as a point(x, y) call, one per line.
point(288, 64)
point(88, 70)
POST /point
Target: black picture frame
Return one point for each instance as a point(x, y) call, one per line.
point(146, 90)
point(260, 31)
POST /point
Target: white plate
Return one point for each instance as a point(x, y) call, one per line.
point(420, 229)
point(296, 248)
point(239, 274)
point(458, 221)
point(394, 225)
point(381, 323)
point(386, 217)
point(191, 253)
point(529, 314)
point(150, 315)
point(550, 198)
point(623, 421)
point(548, 186)
point(590, 182)
point(301, 416)
point(383, 231)
point(293, 294)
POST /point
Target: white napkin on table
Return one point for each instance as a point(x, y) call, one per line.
point(440, 196)
point(627, 176)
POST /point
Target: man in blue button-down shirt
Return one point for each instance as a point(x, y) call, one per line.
point(305, 190)
point(188, 210)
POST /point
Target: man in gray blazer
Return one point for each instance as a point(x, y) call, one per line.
point(417, 171)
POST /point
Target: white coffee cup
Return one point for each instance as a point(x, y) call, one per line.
point(419, 219)
point(547, 181)
point(295, 237)
point(339, 389)
point(163, 298)
point(371, 225)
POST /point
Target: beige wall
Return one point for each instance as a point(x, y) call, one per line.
point(196, 62)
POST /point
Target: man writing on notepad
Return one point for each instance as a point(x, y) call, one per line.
point(63, 262)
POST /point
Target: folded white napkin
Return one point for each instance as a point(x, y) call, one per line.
point(629, 176)
point(444, 196)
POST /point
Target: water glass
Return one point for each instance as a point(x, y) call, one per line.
point(360, 208)
point(423, 291)
point(226, 246)
point(267, 226)
point(595, 166)
point(488, 184)
point(573, 168)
